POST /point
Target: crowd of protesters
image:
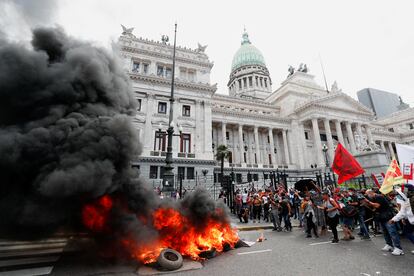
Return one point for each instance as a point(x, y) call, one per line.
point(364, 212)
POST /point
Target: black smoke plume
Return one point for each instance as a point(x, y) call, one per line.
point(66, 139)
point(65, 132)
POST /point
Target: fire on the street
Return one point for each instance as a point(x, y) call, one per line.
point(175, 231)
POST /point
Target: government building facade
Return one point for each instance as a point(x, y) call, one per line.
point(265, 129)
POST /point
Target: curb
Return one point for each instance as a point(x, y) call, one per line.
point(253, 228)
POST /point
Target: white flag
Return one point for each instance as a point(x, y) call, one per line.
point(405, 156)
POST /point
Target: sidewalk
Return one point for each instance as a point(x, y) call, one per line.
point(250, 226)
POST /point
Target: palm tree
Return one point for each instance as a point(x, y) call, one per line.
point(221, 154)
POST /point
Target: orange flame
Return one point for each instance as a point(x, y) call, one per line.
point(94, 215)
point(175, 230)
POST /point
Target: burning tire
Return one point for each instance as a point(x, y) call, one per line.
point(170, 259)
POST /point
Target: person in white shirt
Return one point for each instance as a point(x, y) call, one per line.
point(405, 213)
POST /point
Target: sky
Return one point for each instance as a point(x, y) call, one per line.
point(361, 43)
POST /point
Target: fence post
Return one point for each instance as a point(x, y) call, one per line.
point(364, 180)
point(181, 186)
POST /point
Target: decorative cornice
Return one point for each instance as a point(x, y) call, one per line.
point(318, 103)
point(194, 161)
point(167, 82)
point(135, 50)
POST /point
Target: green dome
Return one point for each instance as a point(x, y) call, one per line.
point(247, 55)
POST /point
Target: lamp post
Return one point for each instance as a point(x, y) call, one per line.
point(325, 151)
point(168, 180)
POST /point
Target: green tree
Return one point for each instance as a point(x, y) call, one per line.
point(222, 154)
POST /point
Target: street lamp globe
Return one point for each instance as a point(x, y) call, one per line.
point(324, 148)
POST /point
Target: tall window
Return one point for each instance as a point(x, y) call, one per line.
point(190, 172)
point(186, 110)
point(153, 174)
point(160, 71)
point(244, 82)
point(135, 67)
point(168, 73)
point(265, 81)
point(159, 141)
point(257, 81)
point(227, 135)
point(239, 84)
point(268, 139)
point(230, 157)
point(145, 68)
point(162, 107)
point(185, 143)
point(250, 81)
point(191, 76)
point(306, 135)
point(270, 159)
point(411, 125)
point(181, 172)
point(244, 138)
point(245, 157)
point(139, 104)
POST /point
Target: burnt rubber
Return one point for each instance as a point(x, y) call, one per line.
point(170, 259)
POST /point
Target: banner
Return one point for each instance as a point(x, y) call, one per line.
point(406, 157)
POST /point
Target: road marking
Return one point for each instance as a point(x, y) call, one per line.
point(254, 252)
point(317, 243)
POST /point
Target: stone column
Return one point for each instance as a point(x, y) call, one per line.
point(208, 128)
point(391, 149)
point(241, 144)
point(369, 135)
point(223, 133)
point(199, 138)
point(382, 146)
point(272, 146)
point(148, 131)
point(338, 128)
point(317, 141)
point(257, 144)
point(285, 147)
point(350, 137)
point(276, 139)
point(359, 131)
point(250, 150)
point(303, 147)
point(329, 139)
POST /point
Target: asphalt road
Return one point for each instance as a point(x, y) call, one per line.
point(281, 254)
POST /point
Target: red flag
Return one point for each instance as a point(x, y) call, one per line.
point(345, 165)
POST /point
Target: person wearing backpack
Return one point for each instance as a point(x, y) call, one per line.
point(406, 212)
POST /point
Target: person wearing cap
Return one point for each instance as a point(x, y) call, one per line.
point(405, 213)
point(384, 213)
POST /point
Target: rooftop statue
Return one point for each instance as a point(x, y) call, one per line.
point(127, 31)
point(291, 70)
point(303, 68)
point(201, 48)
